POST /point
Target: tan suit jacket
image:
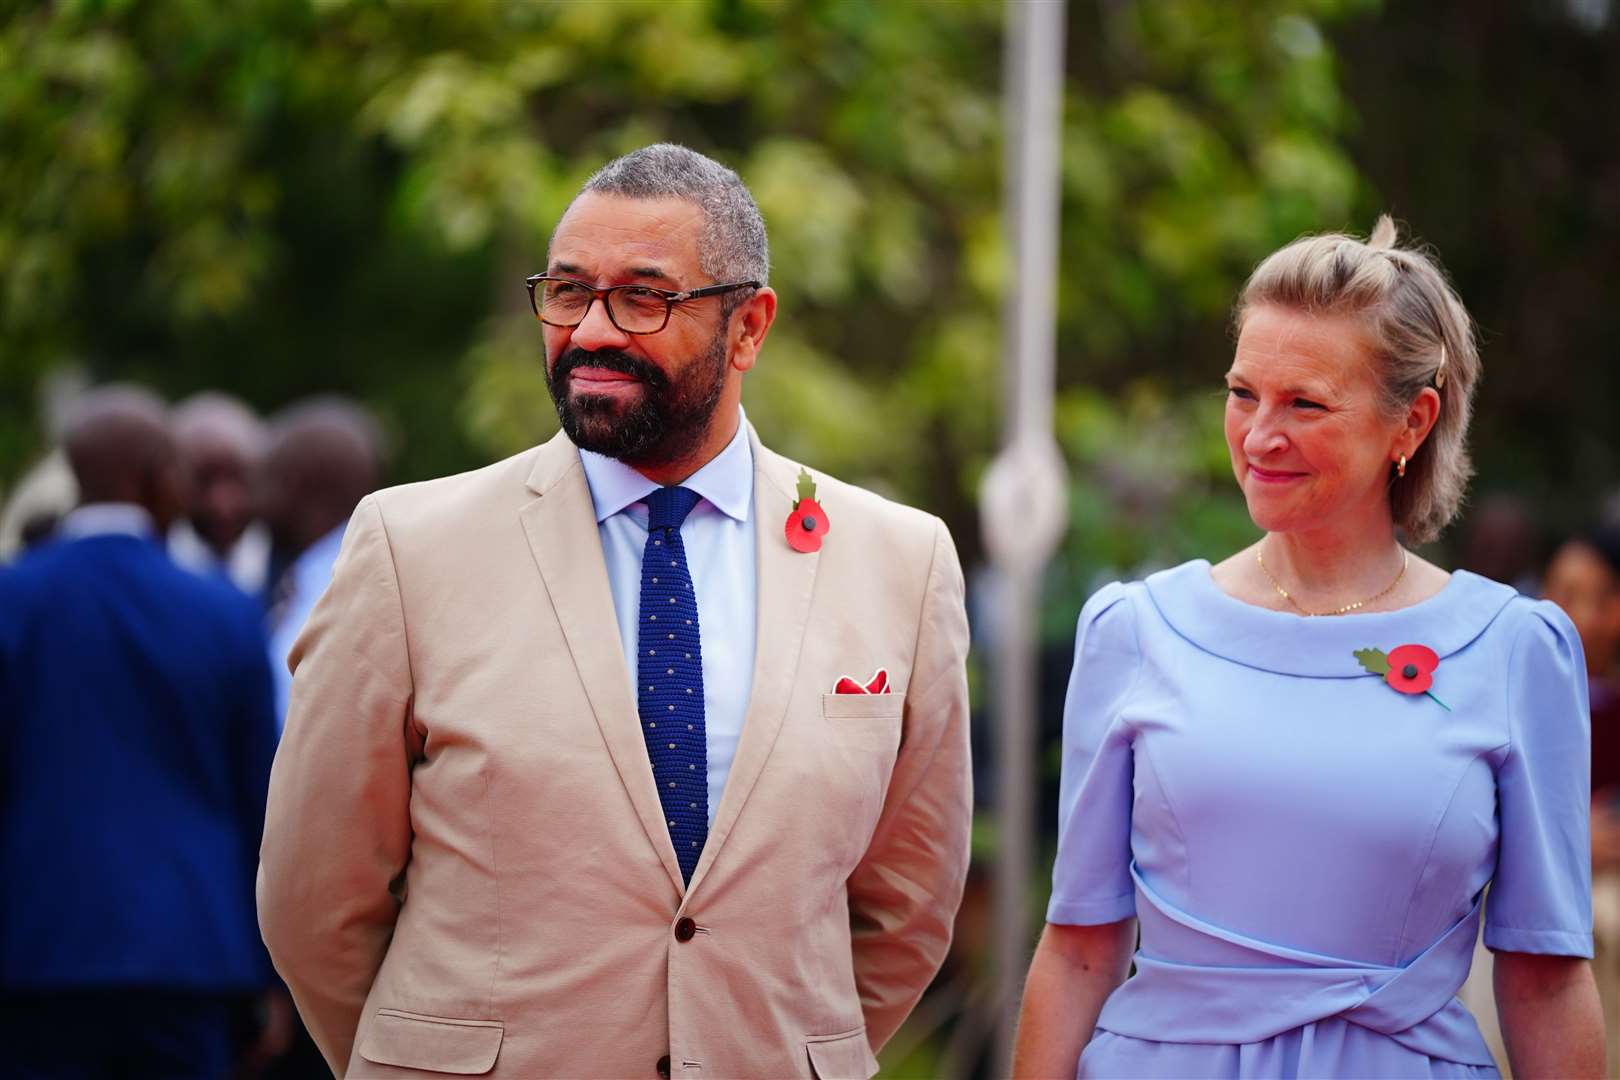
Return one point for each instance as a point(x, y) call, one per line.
point(465, 865)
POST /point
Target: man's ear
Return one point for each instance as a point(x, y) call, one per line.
point(750, 323)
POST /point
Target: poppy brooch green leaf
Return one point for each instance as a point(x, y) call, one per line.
point(1408, 668)
point(807, 522)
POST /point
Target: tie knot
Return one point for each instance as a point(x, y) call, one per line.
point(668, 506)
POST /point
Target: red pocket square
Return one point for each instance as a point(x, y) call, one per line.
point(878, 684)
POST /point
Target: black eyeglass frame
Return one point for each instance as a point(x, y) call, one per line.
point(669, 297)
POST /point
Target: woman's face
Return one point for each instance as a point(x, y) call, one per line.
point(1310, 446)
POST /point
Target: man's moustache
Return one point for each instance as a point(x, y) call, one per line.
point(607, 360)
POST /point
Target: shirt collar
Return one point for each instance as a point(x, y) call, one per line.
point(726, 482)
point(107, 519)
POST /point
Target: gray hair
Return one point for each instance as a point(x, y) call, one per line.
point(1420, 334)
point(732, 247)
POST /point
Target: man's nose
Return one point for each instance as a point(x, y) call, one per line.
point(596, 331)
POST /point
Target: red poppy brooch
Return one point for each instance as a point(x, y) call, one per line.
point(807, 522)
point(1409, 668)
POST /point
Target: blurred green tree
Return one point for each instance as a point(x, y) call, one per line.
point(1493, 131)
point(283, 196)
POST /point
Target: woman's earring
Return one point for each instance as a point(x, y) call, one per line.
point(1400, 466)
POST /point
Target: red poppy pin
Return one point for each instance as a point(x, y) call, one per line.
point(807, 522)
point(1408, 668)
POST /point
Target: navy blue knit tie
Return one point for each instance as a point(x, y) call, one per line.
point(670, 694)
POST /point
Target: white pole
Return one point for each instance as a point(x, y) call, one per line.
point(1024, 498)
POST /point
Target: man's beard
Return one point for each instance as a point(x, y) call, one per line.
point(665, 426)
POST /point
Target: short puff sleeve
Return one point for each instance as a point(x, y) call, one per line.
point(1091, 879)
point(1541, 898)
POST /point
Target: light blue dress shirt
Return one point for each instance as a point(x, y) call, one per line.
point(307, 579)
point(719, 540)
point(106, 519)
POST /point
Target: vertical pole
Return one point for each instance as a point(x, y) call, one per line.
point(1024, 498)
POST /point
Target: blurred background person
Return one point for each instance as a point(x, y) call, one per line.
point(1583, 578)
point(1502, 541)
point(324, 456)
point(45, 491)
point(321, 457)
point(221, 444)
point(136, 737)
point(42, 496)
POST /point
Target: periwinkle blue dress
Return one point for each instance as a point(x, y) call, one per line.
point(1305, 847)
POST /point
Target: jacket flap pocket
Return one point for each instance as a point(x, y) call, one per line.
point(863, 706)
point(846, 1056)
point(434, 1043)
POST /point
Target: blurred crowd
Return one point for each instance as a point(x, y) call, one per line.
point(158, 567)
point(1583, 578)
point(1580, 572)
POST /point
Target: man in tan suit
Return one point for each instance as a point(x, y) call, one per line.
point(504, 837)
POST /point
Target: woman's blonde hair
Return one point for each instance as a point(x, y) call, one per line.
point(1420, 335)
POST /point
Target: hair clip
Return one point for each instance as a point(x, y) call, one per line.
point(1440, 372)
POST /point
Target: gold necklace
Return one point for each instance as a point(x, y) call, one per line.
point(1406, 558)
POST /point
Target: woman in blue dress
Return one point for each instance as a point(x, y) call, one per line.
point(1297, 771)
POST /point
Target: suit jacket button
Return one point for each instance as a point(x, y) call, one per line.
point(663, 1067)
point(684, 929)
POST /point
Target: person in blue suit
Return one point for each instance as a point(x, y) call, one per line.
point(136, 735)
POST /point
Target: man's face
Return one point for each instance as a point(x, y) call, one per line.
point(169, 489)
point(646, 399)
point(219, 491)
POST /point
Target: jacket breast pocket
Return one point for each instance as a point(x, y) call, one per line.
point(432, 1043)
point(865, 719)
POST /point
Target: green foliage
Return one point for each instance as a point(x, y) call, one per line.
point(1152, 486)
point(285, 196)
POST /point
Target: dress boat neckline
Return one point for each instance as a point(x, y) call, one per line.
point(1188, 599)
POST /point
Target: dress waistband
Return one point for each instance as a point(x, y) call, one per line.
point(1248, 996)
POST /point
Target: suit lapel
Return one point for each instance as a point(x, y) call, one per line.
point(561, 529)
point(786, 581)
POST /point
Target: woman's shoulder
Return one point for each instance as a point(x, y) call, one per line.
point(1109, 613)
point(1119, 608)
point(1188, 577)
point(1538, 630)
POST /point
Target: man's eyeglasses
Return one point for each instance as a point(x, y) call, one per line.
point(634, 309)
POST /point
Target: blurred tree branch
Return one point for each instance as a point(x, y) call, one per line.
point(288, 195)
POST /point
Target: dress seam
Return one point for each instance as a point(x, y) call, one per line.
point(1181, 832)
point(1512, 743)
point(1133, 598)
point(1141, 661)
point(1428, 852)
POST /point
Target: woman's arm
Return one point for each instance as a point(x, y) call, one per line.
point(1551, 1019)
point(1074, 970)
